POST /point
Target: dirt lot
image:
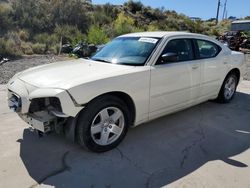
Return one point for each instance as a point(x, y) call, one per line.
point(8, 69)
point(203, 146)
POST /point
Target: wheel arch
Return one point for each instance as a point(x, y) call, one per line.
point(235, 71)
point(126, 98)
point(71, 126)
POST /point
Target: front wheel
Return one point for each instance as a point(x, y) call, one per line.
point(103, 124)
point(228, 89)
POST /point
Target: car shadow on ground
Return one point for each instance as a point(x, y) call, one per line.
point(152, 155)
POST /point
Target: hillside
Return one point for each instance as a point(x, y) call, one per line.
point(40, 26)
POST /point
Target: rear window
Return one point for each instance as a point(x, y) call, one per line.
point(207, 49)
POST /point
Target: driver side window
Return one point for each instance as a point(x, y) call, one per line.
point(181, 48)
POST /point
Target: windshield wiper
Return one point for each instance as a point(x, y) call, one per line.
point(101, 60)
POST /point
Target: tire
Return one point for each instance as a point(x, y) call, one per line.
point(103, 124)
point(228, 89)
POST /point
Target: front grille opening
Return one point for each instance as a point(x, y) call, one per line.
point(55, 103)
point(37, 105)
point(41, 104)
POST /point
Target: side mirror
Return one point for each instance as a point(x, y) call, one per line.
point(169, 57)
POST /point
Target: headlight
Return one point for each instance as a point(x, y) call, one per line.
point(15, 103)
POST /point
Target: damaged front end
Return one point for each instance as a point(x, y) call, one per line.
point(44, 109)
point(45, 115)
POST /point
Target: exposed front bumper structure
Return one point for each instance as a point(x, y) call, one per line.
point(41, 121)
point(42, 108)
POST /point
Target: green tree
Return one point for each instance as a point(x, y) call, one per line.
point(33, 15)
point(134, 6)
point(44, 15)
point(70, 12)
point(124, 24)
point(5, 18)
point(152, 27)
point(96, 35)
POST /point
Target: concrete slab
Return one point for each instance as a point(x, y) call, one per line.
point(203, 146)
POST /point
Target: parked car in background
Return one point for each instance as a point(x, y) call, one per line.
point(133, 79)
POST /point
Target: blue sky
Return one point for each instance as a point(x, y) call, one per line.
point(195, 8)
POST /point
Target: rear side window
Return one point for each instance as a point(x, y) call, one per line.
point(207, 49)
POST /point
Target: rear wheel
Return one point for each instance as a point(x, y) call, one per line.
point(103, 124)
point(228, 89)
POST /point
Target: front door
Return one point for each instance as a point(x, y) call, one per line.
point(175, 82)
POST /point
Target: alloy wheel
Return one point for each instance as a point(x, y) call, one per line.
point(229, 88)
point(107, 126)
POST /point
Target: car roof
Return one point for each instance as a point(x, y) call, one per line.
point(166, 34)
point(160, 34)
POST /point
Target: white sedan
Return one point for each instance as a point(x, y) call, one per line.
point(135, 78)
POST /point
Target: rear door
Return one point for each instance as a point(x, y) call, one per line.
point(213, 66)
point(174, 84)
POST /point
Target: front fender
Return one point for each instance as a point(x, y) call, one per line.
point(136, 85)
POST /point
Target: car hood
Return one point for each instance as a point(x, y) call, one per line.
point(68, 74)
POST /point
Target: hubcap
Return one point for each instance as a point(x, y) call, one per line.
point(107, 126)
point(229, 88)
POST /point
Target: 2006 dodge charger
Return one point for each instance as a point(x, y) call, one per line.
point(135, 78)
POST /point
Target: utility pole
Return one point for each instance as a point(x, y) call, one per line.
point(224, 11)
point(218, 11)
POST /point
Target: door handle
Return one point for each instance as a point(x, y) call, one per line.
point(195, 67)
point(225, 63)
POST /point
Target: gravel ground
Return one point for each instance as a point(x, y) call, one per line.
point(204, 146)
point(8, 69)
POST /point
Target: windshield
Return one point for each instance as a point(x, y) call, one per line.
point(127, 51)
